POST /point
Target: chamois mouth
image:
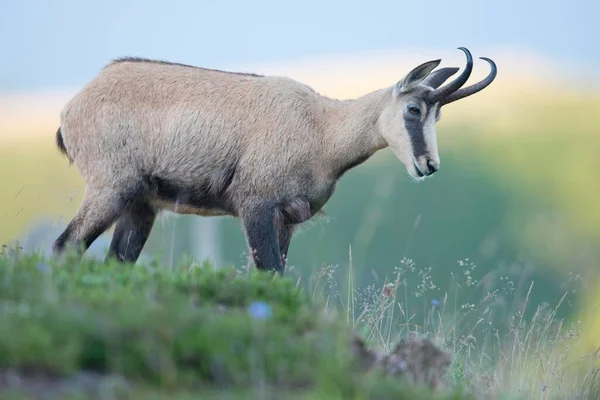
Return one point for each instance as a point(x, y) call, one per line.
point(419, 174)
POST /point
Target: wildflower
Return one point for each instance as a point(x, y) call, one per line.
point(389, 290)
point(260, 310)
point(435, 303)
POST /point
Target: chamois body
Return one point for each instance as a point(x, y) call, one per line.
point(203, 141)
point(149, 135)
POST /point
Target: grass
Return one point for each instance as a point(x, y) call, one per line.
point(503, 346)
point(83, 328)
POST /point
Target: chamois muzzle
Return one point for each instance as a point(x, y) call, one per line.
point(425, 166)
point(453, 91)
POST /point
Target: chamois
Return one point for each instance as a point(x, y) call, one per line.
point(148, 135)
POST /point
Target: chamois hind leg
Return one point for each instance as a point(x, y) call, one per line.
point(131, 232)
point(262, 237)
point(97, 212)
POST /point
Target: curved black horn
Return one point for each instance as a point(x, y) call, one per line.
point(469, 90)
point(453, 86)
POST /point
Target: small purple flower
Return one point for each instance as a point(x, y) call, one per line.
point(435, 303)
point(260, 310)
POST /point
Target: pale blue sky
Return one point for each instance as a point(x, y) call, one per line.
point(50, 44)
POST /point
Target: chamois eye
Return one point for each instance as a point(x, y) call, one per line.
point(414, 111)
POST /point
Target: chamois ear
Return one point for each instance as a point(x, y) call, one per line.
point(416, 76)
point(437, 78)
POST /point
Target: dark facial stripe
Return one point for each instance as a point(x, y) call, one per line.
point(414, 127)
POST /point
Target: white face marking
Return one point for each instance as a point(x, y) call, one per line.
point(394, 132)
point(406, 134)
point(430, 134)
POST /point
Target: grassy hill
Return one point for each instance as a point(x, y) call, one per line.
point(89, 330)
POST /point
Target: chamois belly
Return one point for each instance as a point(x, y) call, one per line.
point(190, 199)
point(188, 208)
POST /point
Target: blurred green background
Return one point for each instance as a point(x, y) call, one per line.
point(517, 193)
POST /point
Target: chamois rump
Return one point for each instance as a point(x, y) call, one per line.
point(148, 135)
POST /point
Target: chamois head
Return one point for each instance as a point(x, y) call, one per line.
point(408, 122)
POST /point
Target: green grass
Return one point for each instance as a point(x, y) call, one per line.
point(84, 329)
point(147, 331)
point(504, 346)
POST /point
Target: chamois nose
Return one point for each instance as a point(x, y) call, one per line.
point(432, 166)
point(426, 166)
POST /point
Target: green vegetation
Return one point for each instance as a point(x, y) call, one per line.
point(148, 330)
point(84, 329)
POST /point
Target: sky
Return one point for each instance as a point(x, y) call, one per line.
point(56, 44)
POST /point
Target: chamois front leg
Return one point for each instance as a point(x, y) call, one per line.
point(262, 237)
point(285, 237)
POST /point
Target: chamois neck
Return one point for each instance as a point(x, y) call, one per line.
point(352, 133)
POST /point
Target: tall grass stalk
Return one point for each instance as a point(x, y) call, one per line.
point(528, 354)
